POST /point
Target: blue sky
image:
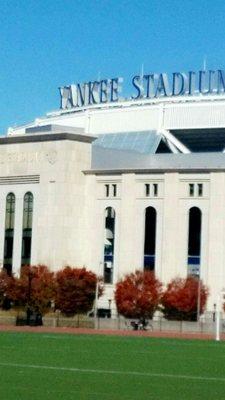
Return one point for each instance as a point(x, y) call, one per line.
point(48, 43)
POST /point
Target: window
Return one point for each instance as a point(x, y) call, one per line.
point(194, 240)
point(195, 189)
point(150, 239)
point(106, 190)
point(155, 189)
point(151, 189)
point(9, 232)
point(27, 228)
point(110, 190)
point(147, 189)
point(200, 189)
point(109, 243)
point(114, 190)
point(191, 189)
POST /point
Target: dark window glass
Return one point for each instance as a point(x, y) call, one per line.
point(114, 190)
point(155, 189)
point(107, 190)
point(147, 189)
point(200, 189)
point(27, 228)
point(194, 236)
point(191, 189)
point(150, 239)
point(9, 232)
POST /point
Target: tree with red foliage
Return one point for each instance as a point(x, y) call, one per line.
point(138, 295)
point(34, 289)
point(75, 290)
point(4, 283)
point(180, 299)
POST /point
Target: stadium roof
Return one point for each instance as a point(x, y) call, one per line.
point(114, 161)
point(142, 142)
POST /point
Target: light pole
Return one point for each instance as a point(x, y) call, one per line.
point(110, 313)
point(218, 318)
point(199, 296)
point(97, 290)
point(96, 299)
point(217, 308)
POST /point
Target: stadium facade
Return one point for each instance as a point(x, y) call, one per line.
point(118, 185)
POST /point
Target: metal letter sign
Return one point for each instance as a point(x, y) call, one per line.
point(148, 86)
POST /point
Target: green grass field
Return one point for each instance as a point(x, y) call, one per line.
point(71, 367)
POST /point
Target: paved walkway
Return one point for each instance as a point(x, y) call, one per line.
point(86, 331)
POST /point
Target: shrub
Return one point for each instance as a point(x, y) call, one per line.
point(138, 295)
point(180, 299)
point(75, 290)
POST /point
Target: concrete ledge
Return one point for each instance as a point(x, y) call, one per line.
point(47, 137)
point(68, 322)
point(8, 320)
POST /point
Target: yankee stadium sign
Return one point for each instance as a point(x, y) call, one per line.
point(148, 86)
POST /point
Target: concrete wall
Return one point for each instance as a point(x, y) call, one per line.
point(172, 206)
point(59, 197)
point(69, 214)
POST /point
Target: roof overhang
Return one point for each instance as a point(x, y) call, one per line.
point(201, 139)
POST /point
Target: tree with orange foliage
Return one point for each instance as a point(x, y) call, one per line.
point(180, 299)
point(138, 295)
point(75, 290)
point(34, 289)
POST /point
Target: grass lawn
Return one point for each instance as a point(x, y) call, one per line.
point(85, 367)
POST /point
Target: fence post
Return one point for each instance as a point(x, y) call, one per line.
point(218, 323)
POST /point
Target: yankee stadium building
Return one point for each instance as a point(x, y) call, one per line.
point(118, 184)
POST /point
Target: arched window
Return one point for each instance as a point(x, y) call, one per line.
point(9, 232)
point(150, 238)
point(109, 243)
point(27, 228)
point(194, 240)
